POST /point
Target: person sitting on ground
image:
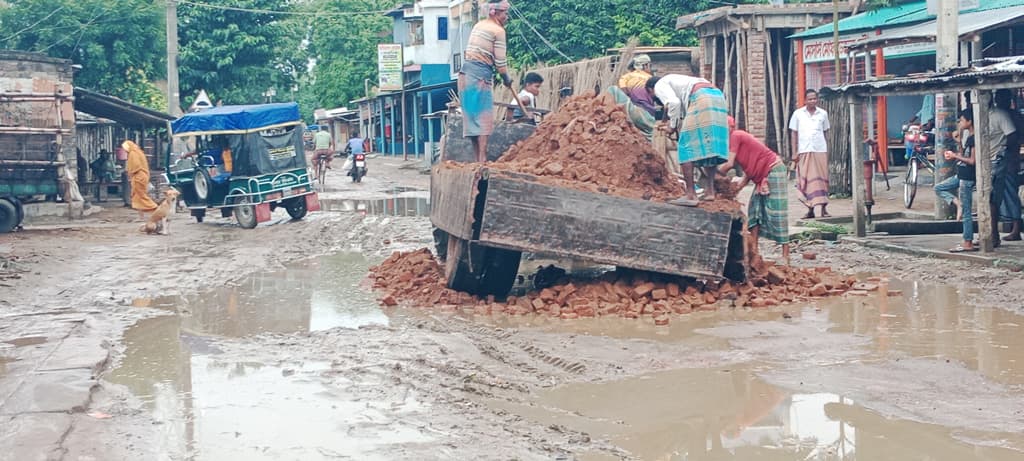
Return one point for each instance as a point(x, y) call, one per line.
point(528, 97)
point(768, 210)
point(964, 181)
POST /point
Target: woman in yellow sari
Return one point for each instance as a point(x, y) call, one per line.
point(138, 175)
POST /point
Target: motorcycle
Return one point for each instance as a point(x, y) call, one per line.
point(357, 169)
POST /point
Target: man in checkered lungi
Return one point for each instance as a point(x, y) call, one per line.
point(695, 110)
point(768, 211)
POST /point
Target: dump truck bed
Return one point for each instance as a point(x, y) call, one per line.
point(515, 211)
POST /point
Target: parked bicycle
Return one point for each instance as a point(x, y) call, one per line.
point(920, 158)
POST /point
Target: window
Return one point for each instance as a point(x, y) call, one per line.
point(442, 27)
point(416, 32)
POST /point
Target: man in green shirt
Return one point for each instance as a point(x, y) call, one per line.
point(324, 148)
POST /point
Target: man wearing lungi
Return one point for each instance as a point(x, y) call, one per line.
point(696, 114)
point(768, 210)
point(808, 128)
point(485, 52)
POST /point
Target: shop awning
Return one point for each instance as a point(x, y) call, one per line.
point(118, 110)
point(969, 25)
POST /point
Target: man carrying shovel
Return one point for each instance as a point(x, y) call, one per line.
point(484, 54)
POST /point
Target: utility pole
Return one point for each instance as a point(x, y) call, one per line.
point(173, 96)
point(835, 39)
point(947, 47)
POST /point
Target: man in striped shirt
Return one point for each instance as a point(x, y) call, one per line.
point(484, 54)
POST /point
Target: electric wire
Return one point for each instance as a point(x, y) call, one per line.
point(542, 38)
point(292, 13)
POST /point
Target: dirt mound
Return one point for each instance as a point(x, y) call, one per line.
point(415, 279)
point(590, 144)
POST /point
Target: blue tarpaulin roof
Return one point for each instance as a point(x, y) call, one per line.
point(237, 119)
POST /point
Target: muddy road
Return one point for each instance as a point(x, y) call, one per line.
point(217, 343)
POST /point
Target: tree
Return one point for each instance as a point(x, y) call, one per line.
point(236, 55)
point(344, 49)
point(118, 43)
point(584, 29)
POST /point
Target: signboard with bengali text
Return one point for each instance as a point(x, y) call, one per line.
point(389, 66)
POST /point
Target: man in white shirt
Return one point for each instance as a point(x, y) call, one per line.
point(697, 114)
point(1003, 149)
point(808, 128)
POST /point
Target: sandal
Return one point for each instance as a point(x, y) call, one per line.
point(961, 249)
point(826, 215)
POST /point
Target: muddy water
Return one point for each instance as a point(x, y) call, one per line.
point(211, 408)
point(395, 206)
point(733, 412)
point(322, 293)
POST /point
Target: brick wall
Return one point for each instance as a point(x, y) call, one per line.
point(756, 79)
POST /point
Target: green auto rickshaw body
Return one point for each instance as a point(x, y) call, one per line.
point(248, 161)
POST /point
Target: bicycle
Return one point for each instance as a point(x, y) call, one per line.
point(320, 165)
point(918, 159)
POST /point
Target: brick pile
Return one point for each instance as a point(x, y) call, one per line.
point(590, 144)
point(415, 279)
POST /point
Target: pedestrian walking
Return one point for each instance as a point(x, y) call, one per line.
point(808, 129)
point(138, 176)
point(768, 210)
point(697, 117)
point(485, 54)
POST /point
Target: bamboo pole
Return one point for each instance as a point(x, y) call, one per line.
point(32, 162)
point(28, 130)
point(854, 106)
point(773, 89)
point(788, 96)
point(728, 77)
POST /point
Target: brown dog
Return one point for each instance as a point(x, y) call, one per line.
point(157, 223)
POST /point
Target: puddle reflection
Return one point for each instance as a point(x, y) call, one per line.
point(209, 408)
point(729, 414)
point(319, 294)
point(397, 206)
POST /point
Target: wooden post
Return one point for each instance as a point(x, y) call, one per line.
point(856, 157)
point(983, 168)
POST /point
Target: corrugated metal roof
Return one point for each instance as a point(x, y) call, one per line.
point(118, 110)
point(900, 15)
point(1003, 72)
point(967, 23)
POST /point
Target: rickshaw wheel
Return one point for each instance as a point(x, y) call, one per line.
point(201, 182)
point(245, 213)
point(296, 207)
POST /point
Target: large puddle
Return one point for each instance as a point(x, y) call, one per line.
point(732, 413)
point(395, 206)
point(213, 408)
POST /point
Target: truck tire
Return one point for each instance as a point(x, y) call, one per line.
point(735, 256)
point(458, 268)
point(500, 269)
point(441, 244)
point(8, 216)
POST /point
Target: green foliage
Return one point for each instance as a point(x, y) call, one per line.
point(585, 29)
point(119, 43)
point(236, 56)
point(345, 50)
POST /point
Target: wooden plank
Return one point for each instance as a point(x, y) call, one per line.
point(452, 197)
point(856, 175)
point(529, 216)
point(983, 169)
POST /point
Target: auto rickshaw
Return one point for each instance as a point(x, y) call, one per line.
point(248, 160)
